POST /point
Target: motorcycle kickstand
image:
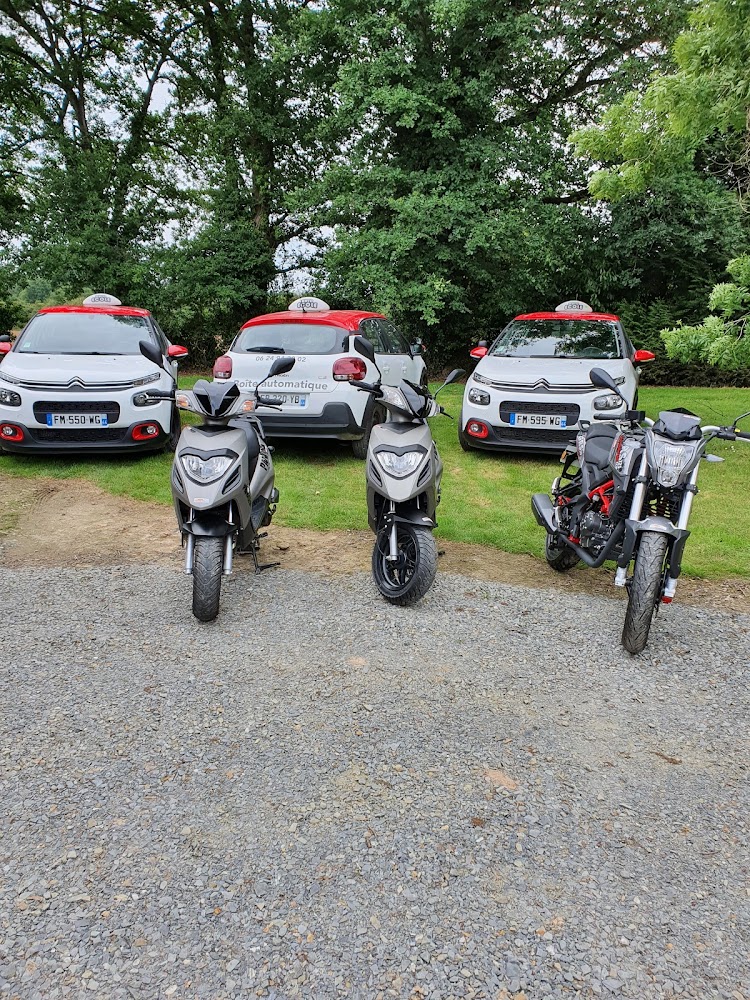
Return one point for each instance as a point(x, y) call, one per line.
point(259, 567)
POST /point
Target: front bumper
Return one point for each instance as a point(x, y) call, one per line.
point(522, 439)
point(335, 421)
point(98, 440)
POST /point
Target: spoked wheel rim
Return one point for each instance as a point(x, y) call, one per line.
point(396, 577)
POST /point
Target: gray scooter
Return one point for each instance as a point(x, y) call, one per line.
point(222, 481)
point(403, 473)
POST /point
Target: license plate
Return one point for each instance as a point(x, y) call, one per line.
point(295, 400)
point(538, 420)
point(77, 420)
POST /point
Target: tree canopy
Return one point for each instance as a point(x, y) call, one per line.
point(411, 157)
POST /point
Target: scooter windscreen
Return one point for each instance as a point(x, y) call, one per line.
point(407, 399)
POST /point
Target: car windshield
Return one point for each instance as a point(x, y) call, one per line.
point(82, 333)
point(557, 338)
point(291, 338)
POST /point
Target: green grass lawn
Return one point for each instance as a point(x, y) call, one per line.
point(485, 495)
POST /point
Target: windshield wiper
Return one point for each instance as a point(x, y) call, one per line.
point(266, 350)
point(86, 354)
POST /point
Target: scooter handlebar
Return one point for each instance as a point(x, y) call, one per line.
point(368, 387)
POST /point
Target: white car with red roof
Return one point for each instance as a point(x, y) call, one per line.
point(531, 390)
point(75, 381)
point(317, 398)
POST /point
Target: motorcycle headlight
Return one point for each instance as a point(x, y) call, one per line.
point(479, 397)
point(9, 398)
point(669, 460)
point(399, 465)
point(609, 402)
point(206, 470)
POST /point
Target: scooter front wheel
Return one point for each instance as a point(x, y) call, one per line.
point(406, 580)
point(208, 565)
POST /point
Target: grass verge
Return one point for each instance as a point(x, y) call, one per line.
point(485, 495)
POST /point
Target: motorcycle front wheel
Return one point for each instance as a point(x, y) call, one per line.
point(645, 588)
point(208, 565)
point(406, 581)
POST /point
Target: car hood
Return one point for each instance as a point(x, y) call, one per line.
point(554, 371)
point(61, 369)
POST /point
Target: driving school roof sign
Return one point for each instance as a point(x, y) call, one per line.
point(101, 299)
point(573, 306)
point(309, 304)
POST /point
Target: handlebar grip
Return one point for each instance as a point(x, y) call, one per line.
point(367, 387)
point(159, 394)
point(742, 434)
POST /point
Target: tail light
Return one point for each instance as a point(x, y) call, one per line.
point(223, 367)
point(477, 429)
point(349, 370)
point(11, 432)
point(145, 432)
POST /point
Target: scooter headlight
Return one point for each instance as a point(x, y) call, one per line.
point(206, 470)
point(399, 465)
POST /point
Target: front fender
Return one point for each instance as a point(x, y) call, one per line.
point(409, 515)
point(659, 524)
point(207, 524)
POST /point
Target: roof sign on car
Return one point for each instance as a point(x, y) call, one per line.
point(101, 299)
point(309, 304)
point(574, 306)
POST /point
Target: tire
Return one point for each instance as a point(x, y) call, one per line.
point(462, 439)
point(175, 431)
point(560, 557)
point(359, 448)
point(645, 588)
point(208, 564)
point(410, 582)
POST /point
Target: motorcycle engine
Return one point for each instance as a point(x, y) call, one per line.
point(594, 530)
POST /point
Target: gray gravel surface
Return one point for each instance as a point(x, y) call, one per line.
point(323, 796)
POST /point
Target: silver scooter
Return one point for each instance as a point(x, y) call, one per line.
point(403, 473)
point(222, 480)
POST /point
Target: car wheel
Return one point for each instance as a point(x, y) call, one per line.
point(359, 448)
point(175, 431)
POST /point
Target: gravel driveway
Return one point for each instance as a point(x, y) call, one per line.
point(323, 796)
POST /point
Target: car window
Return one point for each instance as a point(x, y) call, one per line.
point(85, 333)
point(396, 341)
point(372, 329)
point(291, 338)
point(557, 338)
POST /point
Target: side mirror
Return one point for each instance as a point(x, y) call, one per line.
point(454, 376)
point(603, 380)
point(152, 352)
point(363, 346)
point(478, 352)
point(176, 351)
point(640, 356)
point(5, 338)
point(417, 348)
point(281, 366)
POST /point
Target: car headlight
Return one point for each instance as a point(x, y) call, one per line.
point(609, 402)
point(668, 460)
point(479, 397)
point(206, 470)
point(9, 398)
point(147, 379)
point(400, 465)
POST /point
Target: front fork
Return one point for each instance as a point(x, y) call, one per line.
point(393, 538)
point(636, 511)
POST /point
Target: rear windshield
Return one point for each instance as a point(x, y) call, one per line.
point(557, 338)
point(291, 338)
point(80, 333)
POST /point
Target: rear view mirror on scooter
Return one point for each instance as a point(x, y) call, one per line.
point(603, 380)
point(280, 367)
point(152, 352)
point(363, 346)
point(454, 376)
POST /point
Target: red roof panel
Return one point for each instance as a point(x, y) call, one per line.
point(106, 310)
point(571, 315)
point(347, 319)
